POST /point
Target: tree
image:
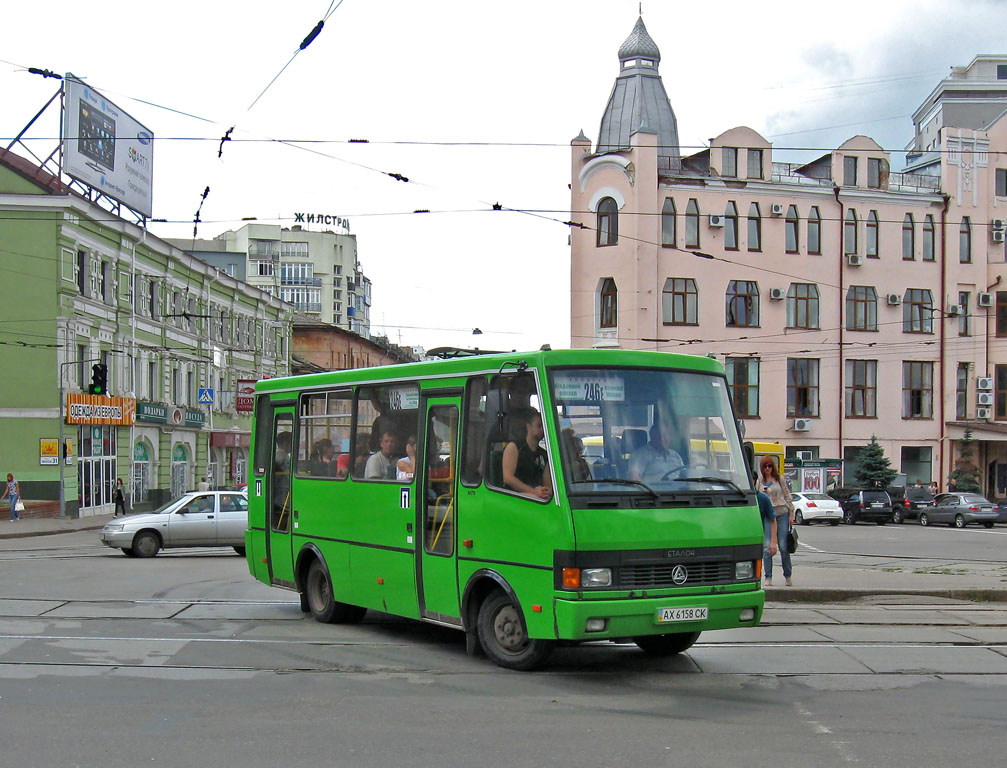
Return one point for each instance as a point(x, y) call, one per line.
point(966, 474)
point(875, 470)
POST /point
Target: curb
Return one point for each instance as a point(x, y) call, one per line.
point(791, 595)
point(28, 534)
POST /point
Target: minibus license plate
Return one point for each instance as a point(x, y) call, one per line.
point(691, 613)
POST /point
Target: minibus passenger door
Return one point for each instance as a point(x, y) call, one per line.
point(438, 512)
point(279, 499)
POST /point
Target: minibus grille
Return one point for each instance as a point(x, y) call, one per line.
point(660, 576)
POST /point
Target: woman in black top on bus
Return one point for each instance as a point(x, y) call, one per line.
point(525, 465)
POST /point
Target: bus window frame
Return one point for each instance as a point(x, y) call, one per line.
point(419, 425)
point(298, 432)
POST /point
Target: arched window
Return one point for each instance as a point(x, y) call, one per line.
point(742, 304)
point(692, 224)
point(754, 228)
point(668, 222)
point(608, 222)
point(928, 238)
point(908, 238)
point(850, 232)
point(918, 311)
point(608, 315)
point(965, 241)
point(793, 222)
point(680, 301)
point(814, 230)
point(802, 306)
point(873, 241)
point(731, 226)
point(861, 308)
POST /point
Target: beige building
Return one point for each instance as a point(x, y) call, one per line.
point(845, 299)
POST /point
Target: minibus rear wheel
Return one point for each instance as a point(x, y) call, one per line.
point(666, 645)
point(324, 608)
point(503, 637)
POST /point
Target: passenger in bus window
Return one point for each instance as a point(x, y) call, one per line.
point(406, 466)
point(655, 461)
point(573, 452)
point(381, 465)
point(323, 458)
point(525, 462)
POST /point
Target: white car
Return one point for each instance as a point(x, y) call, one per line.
point(809, 507)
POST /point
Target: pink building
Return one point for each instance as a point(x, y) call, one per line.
point(844, 299)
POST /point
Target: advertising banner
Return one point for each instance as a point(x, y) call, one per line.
point(98, 409)
point(48, 450)
point(245, 401)
point(105, 148)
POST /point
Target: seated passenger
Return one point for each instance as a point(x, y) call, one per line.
point(343, 466)
point(323, 458)
point(653, 462)
point(525, 463)
point(406, 466)
point(573, 452)
point(381, 465)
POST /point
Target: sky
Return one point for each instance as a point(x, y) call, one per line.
point(476, 104)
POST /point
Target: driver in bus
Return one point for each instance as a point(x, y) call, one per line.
point(653, 462)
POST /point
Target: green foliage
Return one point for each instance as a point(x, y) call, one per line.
point(875, 470)
point(966, 474)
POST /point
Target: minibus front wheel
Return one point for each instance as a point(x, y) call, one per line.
point(504, 638)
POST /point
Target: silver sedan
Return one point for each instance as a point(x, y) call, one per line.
point(198, 519)
point(960, 509)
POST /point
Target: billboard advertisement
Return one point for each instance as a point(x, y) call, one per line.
point(245, 402)
point(105, 148)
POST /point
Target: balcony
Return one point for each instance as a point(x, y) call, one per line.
point(294, 280)
point(306, 306)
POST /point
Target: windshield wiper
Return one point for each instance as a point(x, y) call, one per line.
point(710, 479)
point(619, 481)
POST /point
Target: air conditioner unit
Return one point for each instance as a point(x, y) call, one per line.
point(984, 383)
point(776, 209)
point(802, 425)
point(854, 259)
point(998, 224)
point(953, 310)
point(984, 413)
point(997, 235)
point(984, 398)
point(894, 299)
point(716, 220)
point(806, 455)
point(777, 294)
point(984, 299)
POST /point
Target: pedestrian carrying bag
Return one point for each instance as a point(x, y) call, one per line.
point(792, 541)
point(19, 507)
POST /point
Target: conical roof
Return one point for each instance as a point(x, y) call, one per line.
point(639, 43)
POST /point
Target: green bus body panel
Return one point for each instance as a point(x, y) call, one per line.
point(673, 528)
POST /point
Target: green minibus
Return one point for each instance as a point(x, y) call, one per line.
point(458, 492)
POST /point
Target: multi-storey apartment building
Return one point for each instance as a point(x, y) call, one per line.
point(316, 271)
point(845, 299)
point(81, 287)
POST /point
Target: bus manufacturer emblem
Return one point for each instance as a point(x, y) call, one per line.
point(679, 574)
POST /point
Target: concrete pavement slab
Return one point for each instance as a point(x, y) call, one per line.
point(989, 617)
point(116, 609)
point(273, 612)
point(862, 634)
point(784, 660)
point(14, 607)
point(889, 616)
point(934, 659)
point(796, 616)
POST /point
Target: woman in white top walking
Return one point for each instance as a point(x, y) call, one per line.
point(783, 506)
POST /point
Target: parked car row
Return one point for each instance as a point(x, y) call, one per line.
point(897, 505)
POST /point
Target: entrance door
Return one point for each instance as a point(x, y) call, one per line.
point(438, 511)
point(278, 499)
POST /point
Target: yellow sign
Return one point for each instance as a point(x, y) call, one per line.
point(98, 409)
point(48, 450)
point(69, 451)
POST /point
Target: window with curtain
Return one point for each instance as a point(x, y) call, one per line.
point(917, 390)
point(849, 171)
point(755, 163)
point(908, 238)
point(680, 301)
point(743, 384)
point(873, 239)
point(668, 222)
point(692, 224)
point(754, 228)
point(802, 386)
point(965, 241)
point(928, 238)
point(802, 306)
point(850, 232)
point(861, 389)
point(918, 311)
point(742, 304)
point(962, 391)
point(814, 230)
point(861, 308)
point(731, 226)
point(965, 318)
point(608, 222)
point(792, 225)
point(609, 305)
point(729, 163)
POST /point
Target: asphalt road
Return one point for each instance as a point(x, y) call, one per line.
point(184, 660)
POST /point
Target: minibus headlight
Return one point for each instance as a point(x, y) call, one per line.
point(744, 570)
point(596, 577)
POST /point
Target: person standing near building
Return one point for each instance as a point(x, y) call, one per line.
point(783, 507)
point(202, 485)
point(13, 494)
point(120, 499)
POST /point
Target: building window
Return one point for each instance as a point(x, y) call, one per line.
point(692, 224)
point(609, 309)
point(680, 301)
point(917, 390)
point(917, 463)
point(850, 232)
point(1001, 183)
point(861, 308)
point(742, 304)
point(874, 172)
point(908, 238)
point(754, 228)
point(802, 306)
point(928, 238)
point(962, 391)
point(82, 365)
point(802, 387)
point(814, 230)
point(872, 235)
point(743, 384)
point(755, 163)
point(965, 318)
point(861, 389)
point(81, 272)
point(296, 250)
point(1000, 392)
point(793, 222)
point(729, 162)
point(849, 171)
point(153, 390)
point(965, 241)
point(608, 222)
point(917, 311)
point(731, 226)
point(668, 222)
point(1001, 310)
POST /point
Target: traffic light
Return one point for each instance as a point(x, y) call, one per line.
point(99, 379)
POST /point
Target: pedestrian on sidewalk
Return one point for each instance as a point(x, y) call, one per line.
point(120, 499)
point(13, 494)
point(783, 509)
point(202, 485)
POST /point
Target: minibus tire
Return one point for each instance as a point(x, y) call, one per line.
point(666, 645)
point(503, 637)
point(324, 608)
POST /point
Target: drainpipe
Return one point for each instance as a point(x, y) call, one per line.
point(944, 265)
point(842, 323)
point(986, 366)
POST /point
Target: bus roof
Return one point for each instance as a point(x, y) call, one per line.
point(492, 363)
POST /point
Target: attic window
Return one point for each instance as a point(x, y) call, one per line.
point(1001, 71)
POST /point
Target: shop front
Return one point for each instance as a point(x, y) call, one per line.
point(98, 419)
point(229, 458)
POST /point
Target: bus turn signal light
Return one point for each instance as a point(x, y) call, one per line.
point(571, 578)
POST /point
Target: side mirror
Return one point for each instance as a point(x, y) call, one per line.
point(748, 448)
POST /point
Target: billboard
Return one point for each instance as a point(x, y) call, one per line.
point(105, 148)
point(245, 402)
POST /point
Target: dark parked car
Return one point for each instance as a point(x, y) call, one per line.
point(960, 509)
point(908, 502)
point(874, 505)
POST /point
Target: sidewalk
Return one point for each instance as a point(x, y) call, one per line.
point(812, 583)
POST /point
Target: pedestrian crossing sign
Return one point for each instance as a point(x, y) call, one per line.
point(206, 396)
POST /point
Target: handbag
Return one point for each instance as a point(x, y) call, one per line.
point(19, 507)
point(792, 541)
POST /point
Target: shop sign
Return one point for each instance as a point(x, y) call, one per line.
point(140, 452)
point(69, 451)
point(97, 442)
point(194, 418)
point(98, 409)
point(230, 439)
point(152, 412)
point(48, 451)
point(245, 400)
